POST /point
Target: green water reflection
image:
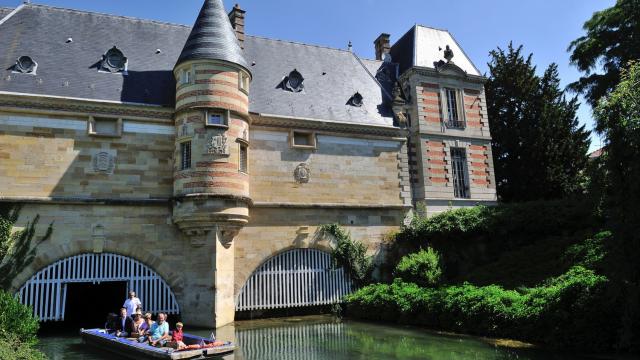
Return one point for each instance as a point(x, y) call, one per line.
point(322, 338)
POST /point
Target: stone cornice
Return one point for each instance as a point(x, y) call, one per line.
point(424, 71)
point(258, 204)
point(73, 200)
point(15, 102)
point(277, 121)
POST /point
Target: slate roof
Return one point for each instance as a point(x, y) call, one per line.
point(68, 69)
point(213, 37)
point(424, 46)
point(4, 12)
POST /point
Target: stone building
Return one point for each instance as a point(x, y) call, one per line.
point(188, 158)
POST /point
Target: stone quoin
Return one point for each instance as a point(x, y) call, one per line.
point(203, 153)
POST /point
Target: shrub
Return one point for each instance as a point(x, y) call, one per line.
point(350, 254)
point(422, 268)
point(17, 319)
point(561, 312)
point(11, 348)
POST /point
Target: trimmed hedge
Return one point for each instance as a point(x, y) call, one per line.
point(566, 311)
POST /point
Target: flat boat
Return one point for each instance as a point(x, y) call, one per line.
point(131, 348)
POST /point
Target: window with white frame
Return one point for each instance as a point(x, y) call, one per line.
point(460, 173)
point(453, 108)
point(185, 155)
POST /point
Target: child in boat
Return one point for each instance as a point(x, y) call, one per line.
point(177, 337)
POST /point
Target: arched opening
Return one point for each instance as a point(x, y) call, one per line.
point(86, 287)
point(294, 279)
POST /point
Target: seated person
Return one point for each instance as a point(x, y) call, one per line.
point(144, 333)
point(139, 325)
point(159, 332)
point(177, 337)
point(124, 324)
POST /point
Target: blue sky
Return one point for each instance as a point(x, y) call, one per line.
point(544, 27)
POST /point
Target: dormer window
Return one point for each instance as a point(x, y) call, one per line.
point(356, 100)
point(294, 82)
point(114, 61)
point(25, 65)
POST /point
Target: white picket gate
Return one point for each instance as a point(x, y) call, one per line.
point(46, 291)
point(295, 278)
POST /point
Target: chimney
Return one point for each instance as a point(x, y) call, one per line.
point(383, 45)
point(236, 16)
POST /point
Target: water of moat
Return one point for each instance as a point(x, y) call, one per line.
point(322, 337)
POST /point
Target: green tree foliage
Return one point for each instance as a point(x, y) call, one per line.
point(17, 249)
point(540, 151)
point(618, 119)
point(350, 254)
point(18, 328)
point(422, 268)
point(612, 40)
point(11, 348)
point(17, 319)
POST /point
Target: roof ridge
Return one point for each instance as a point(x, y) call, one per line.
point(299, 43)
point(107, 15)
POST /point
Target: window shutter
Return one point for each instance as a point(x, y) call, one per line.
point(443, 106)
point(462, 114)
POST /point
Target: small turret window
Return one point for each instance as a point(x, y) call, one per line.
point(243, 82)
point(185, 152)
point(185, 77)
point(25, 65)
point(217, 118)
point(114, 61)
point(356, 100)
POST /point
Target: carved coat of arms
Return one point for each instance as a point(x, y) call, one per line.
point(217, 145)
point(103, 162)
point(302, 173)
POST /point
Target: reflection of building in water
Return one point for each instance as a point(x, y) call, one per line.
point(295, 342)
point(203, 153)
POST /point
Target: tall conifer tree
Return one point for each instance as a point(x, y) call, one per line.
point(539, 148)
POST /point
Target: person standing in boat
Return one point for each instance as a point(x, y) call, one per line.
point(159, 332)
point(132, 303)
point(124, 324)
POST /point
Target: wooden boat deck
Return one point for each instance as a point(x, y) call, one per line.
point(131, 348)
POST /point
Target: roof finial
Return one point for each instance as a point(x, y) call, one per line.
point(350, 46)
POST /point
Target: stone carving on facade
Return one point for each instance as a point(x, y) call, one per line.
point(103, 162)
point(302, 173)
point(217, 145)
point(226, 235)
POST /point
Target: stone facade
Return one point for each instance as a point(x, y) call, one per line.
point(204, 200)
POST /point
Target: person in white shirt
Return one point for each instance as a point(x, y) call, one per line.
point(132, 303)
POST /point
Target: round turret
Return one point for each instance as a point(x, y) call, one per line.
point(211, 185)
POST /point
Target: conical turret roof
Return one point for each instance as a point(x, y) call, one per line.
point(213, 37)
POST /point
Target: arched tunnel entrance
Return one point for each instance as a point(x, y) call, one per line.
point(80, 291)
point(298, 279)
